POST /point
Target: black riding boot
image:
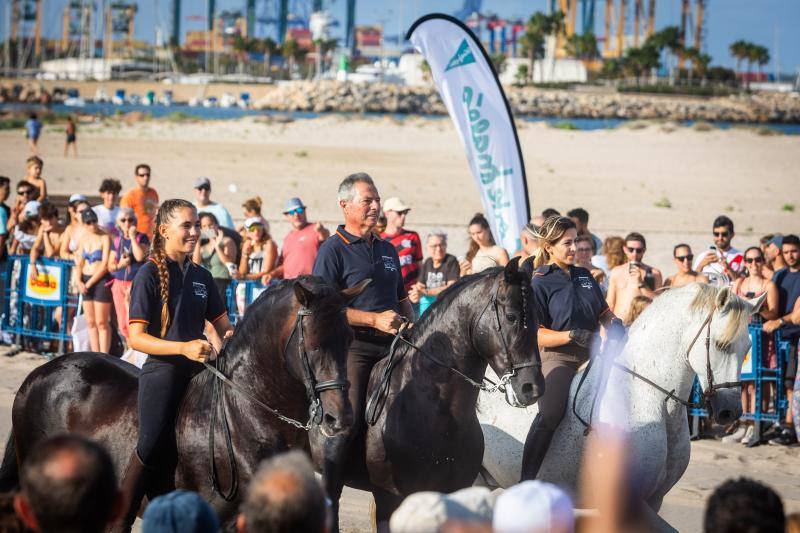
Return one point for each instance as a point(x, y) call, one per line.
point(133, 488)
point(536, 445)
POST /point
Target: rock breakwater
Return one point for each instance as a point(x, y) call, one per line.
point(385, 98)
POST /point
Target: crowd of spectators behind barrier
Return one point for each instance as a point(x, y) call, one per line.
point(108, 242)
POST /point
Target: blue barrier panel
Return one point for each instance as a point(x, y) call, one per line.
point(31, 304)
point(244, 292)
point(770, 403)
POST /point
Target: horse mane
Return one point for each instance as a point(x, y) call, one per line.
point(252, 324)
point(441, 304)
point(705, 302)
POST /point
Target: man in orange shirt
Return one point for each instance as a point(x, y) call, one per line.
point(143, 199)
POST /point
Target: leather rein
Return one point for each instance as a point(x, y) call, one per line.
point(312, 386)
point(708, 393)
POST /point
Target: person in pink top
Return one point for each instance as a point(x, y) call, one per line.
point(299, 246)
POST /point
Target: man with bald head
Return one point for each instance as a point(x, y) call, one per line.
point(68, 484)
point(284, 496)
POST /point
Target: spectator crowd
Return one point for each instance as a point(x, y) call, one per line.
point(109, 240)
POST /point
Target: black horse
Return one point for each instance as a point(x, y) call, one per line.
point(427, 435)
point(287, 353)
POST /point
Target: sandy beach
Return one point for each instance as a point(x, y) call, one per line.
point(617, 175)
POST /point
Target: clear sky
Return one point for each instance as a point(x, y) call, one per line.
point(761, 21)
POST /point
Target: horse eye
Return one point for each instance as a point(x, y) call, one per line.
point(511, 318)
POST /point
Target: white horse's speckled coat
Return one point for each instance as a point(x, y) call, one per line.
point(658, 430)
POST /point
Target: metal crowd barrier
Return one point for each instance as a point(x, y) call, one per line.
point(234, 297)
point(30, 305)
point(770, 402)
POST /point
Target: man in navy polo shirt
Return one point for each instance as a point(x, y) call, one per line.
point(788, 282)
point(350, 256)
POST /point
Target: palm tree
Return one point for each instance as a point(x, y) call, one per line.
point(701, 62)
point(268, 46)
point(762, 57)
point(582, 46)
point(532, 40)
point(289, 51)
point(640, 60)
point(738, 50)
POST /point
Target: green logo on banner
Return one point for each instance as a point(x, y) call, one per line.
point(462, 57)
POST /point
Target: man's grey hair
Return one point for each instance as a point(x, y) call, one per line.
point(347, 188)
point(285, 496)
point(437, 233)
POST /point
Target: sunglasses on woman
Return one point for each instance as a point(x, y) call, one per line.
point(682, 258)
point(127, 220)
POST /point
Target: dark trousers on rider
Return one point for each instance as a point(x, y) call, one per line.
point(559, 366)
point(368, 347)
point(162, 384)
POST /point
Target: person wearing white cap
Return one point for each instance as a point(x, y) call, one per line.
point(202, 190)
point(406, 242)
point(25, 232)
point(533, 507)
point(301, 244)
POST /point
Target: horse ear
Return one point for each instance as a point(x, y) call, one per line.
point(511, 271)
point(723, 298)
point(355, 290)
point(303, 293)
point(756, 303)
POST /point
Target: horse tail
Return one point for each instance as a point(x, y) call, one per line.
point(9, 469)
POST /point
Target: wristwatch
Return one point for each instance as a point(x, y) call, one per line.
point(781, 321)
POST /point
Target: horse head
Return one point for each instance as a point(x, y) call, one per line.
point(505, 334)
point(321, 338)
point(717, 348)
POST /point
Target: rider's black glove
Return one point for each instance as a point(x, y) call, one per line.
point(616, 330)
point(581, 337)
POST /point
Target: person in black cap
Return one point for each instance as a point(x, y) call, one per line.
point(570, 308)
point(351, 256)
point(94, 281)
point(171, 299)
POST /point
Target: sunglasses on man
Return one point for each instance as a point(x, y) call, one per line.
point(295, 211)
point(721, 234)
point(25, 192)
point(635, 250)
point(145, 175)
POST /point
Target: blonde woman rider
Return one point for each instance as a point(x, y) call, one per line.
point(570, 308)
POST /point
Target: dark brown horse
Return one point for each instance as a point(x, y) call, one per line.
point(427, 435)
point(289, 349)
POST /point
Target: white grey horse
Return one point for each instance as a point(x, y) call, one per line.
point(667, 346)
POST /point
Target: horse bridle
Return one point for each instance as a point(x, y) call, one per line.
point(310, 383)
point(511, 368)
point(710, 389)
point(312, 386)
point(708, 393)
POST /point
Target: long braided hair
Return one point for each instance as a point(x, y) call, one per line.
point(550, 232)
point(159, 256)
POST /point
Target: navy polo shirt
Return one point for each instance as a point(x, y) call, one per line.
point(193, 299)
point(788, 284)
point(344, 260)
point(565, 303)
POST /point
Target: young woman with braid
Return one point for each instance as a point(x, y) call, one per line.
point(171, 298)
point(570, 308)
